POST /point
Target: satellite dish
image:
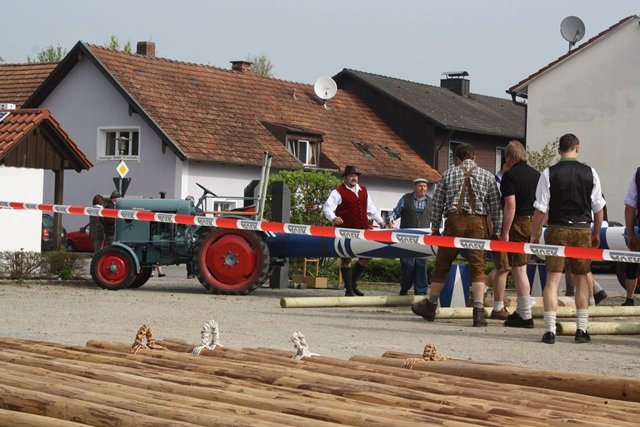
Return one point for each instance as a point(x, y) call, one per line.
point(572, 29)
point(325, 88)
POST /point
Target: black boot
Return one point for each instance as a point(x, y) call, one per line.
point(348, 284)
point(358, 269)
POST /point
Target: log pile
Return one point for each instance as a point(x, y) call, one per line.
point(103, 384)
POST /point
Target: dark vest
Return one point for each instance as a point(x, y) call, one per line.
point(353, 209)
point(409, 215)
point(571, 183)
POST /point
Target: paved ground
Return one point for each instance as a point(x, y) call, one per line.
point(175, 307)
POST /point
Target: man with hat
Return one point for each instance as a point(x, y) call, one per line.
point(415, 210)
point(109, 224)
point(350, 206)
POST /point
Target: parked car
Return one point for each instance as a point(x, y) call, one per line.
point(78, 241)
point(48, 237)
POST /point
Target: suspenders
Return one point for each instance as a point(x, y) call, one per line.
point(466, 185)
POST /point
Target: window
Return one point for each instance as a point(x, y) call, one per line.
point(499, 157)
point(304, 150)
point(452, 148)
point(391, 152)
point(118, 144)
point(364, 148)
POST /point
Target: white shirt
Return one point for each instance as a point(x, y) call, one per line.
point(543, 193)
point(632, 193)
point(334, 200)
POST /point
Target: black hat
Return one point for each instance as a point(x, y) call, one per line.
point(350, 169)
point(115, 194)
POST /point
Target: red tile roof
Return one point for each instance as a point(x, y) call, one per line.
point(19, 81)
point(520, 88)
point(15, 128)
point(214, 114)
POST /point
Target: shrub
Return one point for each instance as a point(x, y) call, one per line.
point(65, 265)
point(20, 265)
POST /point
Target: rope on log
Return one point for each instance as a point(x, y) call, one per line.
point(300, 343)
point(210, 337)
point(430, 354)
point(145, 332)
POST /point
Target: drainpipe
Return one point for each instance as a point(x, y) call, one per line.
point(526, 112)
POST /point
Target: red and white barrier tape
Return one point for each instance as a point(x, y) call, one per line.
point(385, 236)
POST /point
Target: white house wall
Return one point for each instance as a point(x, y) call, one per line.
point(20, 229)
point(596, 96)
point(83, 102)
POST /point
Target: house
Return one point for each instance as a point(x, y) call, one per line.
point(433, 120)
point(179, 124)
point(592, 91)
point(31, 141)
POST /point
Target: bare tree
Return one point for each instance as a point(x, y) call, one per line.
point(49, 54)
point(260, 65)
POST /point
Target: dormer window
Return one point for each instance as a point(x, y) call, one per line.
point(391, 152)
point(305, 150)
point(364, 148)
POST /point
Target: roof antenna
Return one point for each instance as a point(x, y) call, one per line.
point(572, 30)
point(325, 89)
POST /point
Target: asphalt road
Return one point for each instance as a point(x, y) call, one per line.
point(175, 307)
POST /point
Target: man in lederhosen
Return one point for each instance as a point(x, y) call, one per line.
point(466, 195)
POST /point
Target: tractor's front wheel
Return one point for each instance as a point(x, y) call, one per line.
point(113, 268)
point(231, 261)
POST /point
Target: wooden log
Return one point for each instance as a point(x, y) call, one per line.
point(169, 406)
point(479, 411)
point(249, 397)
point(24, 419)
point(441, 384)
point(342, 301)
point(366, 393)
point(595, 385)
point(601, 328)
point(40, 403)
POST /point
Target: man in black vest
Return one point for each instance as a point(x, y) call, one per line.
point(567, 193)
point(415, 210)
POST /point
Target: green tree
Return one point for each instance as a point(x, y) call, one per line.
point(114, 44)
point(545, 157)
point(309, 190)
point(260, 65)
point(49, 54)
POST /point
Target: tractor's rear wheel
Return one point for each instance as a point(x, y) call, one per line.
point(113, 268)
point(141, 278)
point(231, 262)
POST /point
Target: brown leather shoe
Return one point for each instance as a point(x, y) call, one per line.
point(499, 315)
point(478, 317)
point(425, 309)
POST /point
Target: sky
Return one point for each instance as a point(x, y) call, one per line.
point(498, 42)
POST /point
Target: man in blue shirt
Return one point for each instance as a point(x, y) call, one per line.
point(415, 210)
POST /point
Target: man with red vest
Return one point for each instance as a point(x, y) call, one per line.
point(350, 206)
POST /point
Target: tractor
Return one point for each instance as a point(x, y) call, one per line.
point(224, 261)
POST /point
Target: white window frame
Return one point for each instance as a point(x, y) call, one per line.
point(499, 155)
point(310, 155)
point(452, 148)
point(101, 148)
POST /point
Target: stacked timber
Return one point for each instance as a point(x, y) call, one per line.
point(104, 384)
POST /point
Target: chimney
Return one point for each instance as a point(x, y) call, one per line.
point(242, 67)
point(456, 82)
point(147, 49)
